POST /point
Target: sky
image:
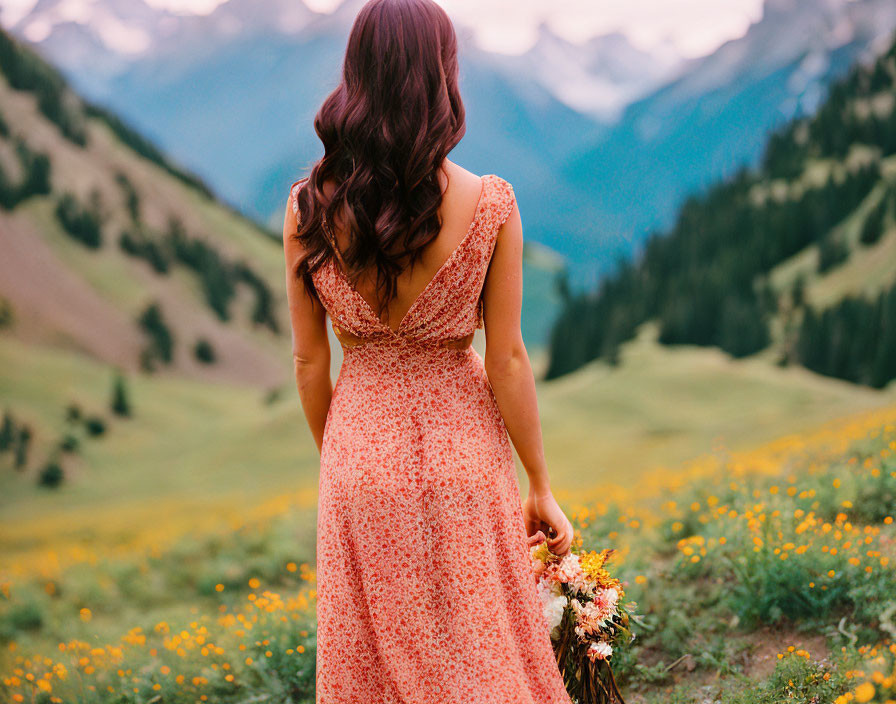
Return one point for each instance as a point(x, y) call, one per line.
point(690, 27)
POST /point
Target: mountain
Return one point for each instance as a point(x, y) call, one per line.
point(602, 141)
point(173, 92)
point(714, 118)
point(172, 99)
point(794, 260)
point(599, 77)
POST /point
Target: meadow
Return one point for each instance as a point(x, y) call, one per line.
point(762, 567)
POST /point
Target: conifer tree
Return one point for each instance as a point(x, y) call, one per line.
point(120, 404)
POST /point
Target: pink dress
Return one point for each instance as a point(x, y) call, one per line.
point(425, 593)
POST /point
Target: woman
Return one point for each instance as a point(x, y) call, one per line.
point(425, 591)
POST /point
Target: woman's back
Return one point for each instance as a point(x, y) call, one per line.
point(439, 303)
point(461, 194)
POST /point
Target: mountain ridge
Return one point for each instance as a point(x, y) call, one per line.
point(591, 189)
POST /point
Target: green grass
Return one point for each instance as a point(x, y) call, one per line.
point(191, 448)
point(604, 426)
point(714, 607)
point(196, 447)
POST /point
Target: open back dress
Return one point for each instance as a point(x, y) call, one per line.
point(425, 592)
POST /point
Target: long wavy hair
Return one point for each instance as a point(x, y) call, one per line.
point(386, 129)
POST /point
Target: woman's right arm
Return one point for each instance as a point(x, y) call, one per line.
point(310, 344)
point(513, 383)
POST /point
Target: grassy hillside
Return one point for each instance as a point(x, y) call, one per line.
point(606, 425)
point(74, 286)
point(193, 450)
point(868, 270)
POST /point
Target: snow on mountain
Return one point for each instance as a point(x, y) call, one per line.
point(803, 34)
point(92, 40)
point(716, 116)
point(121, 26)
point(130, 29)
point(599, 77)
point(244, 16)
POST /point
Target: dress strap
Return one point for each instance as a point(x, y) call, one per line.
point(504, 200)
point(500, 205)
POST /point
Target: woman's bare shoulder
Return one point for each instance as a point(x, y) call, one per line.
point(459, 174)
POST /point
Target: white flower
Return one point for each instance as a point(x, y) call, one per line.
point(612, 597)
point(570, 562)
point(553, 605)
point(599, 651)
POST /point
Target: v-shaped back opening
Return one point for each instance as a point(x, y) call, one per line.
point(477, 212)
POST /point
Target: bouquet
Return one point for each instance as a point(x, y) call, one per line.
point(584, 608)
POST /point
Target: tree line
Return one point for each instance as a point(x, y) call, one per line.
point(853, 340)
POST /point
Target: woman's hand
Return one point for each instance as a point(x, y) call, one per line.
point(542, 515)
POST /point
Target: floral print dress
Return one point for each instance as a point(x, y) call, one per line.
point(425, 591)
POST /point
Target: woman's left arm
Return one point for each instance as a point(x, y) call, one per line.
point(310, 345)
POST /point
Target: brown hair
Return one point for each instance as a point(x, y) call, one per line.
point(386, 129)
